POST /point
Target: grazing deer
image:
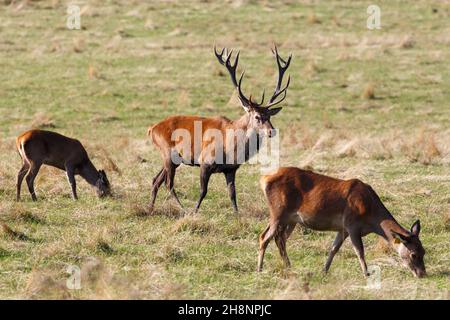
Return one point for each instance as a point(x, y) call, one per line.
point(349, 207)
point(38, 147)
point(205, 152)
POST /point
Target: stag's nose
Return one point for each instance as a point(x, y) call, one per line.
point(420, 273)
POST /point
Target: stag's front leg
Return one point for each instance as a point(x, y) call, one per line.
point(205, 174)
point(340, 238)
point(230, 176)
point(355, 238)
point(70, 172)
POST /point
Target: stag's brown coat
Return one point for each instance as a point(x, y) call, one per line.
point(348, 207)
point(210, 155)
point(38, 147)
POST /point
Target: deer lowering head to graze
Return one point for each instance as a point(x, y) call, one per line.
point(218, 144)
point(38, 147)
point(349, 207)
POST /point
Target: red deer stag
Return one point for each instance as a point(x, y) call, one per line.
point(204, 151)
point(349, 207)
point(38, 147)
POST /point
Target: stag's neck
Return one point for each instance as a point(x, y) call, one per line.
point(252, 142)
point(386, 223)
point(89, 173)
point(242, 123)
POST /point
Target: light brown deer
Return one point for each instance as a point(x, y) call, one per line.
point(204, 151)
point(349, 207)
point(38, 147)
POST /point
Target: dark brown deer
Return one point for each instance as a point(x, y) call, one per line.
point(203, 150)
point(348, 207)
point(38, 147)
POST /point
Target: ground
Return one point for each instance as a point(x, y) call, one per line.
point(367, 104)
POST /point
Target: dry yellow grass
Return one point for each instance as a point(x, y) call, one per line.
point(369, 91)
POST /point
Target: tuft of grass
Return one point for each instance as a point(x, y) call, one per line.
point(369, 91)
point(423, 149)
point(104, 247)
point(446, 219)
point(19, 213)
point(137, 210)
point(93, 72)
point(4, 253)
point(13, 234)
point(41, 284)
point(407, 42)
point(108, 163)
point(171, 254)
point(79, 45)
point(42, 121)
point(194, 225)
point(313, 19)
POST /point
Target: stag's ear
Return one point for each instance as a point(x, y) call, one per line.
point(415, 228)
point(246, 108)
point(399, 237)
point(244, 105)
point(274, 111)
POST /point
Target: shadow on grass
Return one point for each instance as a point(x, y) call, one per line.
point(17, 235)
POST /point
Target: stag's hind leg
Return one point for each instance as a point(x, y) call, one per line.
point(264, 239)
point(171, 168)
point(31, 175)
point(157, 181)
point(280, 240)
point(22, 172)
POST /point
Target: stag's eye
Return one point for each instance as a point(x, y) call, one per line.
point(413, 256)
point(258, 119)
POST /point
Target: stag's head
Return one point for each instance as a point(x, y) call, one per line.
point(259, 114)
point(102, 185)
point(411, 250)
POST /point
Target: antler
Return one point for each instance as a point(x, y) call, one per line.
point(232, 71)
point(282, 67)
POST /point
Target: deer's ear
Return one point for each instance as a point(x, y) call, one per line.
point(415, 228)
point(274, 111)
point(399, 237)
point(245, 107)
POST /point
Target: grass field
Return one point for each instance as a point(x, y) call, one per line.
point(370, 104)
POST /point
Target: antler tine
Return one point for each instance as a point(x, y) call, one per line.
point(279, 58)
point(283, 65)
point(231, 67)
point(241, 95)
point(219, 55)
point(262, 98)
point(271, 104)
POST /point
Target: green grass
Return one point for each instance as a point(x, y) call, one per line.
point(155, 59)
